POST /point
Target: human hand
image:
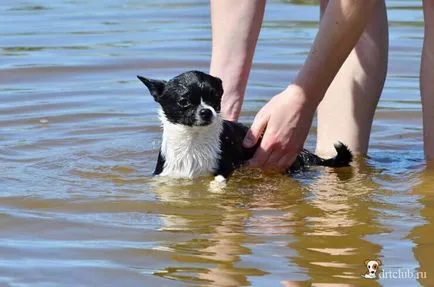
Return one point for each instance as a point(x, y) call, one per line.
point(284, 122)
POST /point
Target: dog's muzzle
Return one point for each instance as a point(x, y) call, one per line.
point(205, 116)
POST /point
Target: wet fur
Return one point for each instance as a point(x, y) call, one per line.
point(234, 154)
point(188, 152)
point(192, 146)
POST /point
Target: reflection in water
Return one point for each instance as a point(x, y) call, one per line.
point(323, 227)
point(78, 141)
point(317, 228)
point(222, 229)
point(338, 214)
point(421, 235)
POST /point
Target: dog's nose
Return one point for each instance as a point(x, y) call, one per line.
point(372, 272)
point(205, 114)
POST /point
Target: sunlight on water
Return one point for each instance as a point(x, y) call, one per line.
point(78, 142)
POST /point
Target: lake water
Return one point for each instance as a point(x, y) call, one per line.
point(78, 143)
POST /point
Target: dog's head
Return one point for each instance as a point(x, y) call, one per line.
point(191, 98)
point(373, 266)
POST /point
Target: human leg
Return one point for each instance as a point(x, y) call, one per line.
point(427, 80)
point(347, 110)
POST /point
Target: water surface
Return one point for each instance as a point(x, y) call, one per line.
point(78, 142)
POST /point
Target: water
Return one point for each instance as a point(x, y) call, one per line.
point(78, 142)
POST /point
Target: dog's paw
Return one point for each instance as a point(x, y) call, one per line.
point(218, 184)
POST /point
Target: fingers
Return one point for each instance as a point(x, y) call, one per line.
point(284, 123)
point(275, 162)
point(271, 156)
point(259, 158)
point(280, 160)
point(255, 131)
point(263, 152)
point(272, 162)
point(286, 161)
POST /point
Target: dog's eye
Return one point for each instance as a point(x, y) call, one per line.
point(183, 103)
point(369, 266)
point(374, 266)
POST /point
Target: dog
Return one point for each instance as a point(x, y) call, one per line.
point(196, 141)
point(373, 267)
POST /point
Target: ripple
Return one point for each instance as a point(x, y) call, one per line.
point(79, 138)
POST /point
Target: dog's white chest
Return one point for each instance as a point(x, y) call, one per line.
point(190, 151)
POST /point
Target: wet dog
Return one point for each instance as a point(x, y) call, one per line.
point(196, 141)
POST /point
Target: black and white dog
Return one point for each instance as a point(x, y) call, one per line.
point(198, 142)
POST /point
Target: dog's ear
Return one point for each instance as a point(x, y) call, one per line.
point(219, 85)
point(156, 87)
point(379, 262)
point(367, 261)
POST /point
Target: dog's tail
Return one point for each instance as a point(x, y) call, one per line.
point(343, 158)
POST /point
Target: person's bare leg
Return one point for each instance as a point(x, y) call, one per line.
point(427, 80)
point(346, 112)
point(235, 30)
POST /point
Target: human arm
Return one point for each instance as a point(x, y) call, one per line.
point(235, 30)
point(286, 119)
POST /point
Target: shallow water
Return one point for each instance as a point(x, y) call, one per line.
point(78, 141)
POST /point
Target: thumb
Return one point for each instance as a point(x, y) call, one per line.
point(255, 131)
